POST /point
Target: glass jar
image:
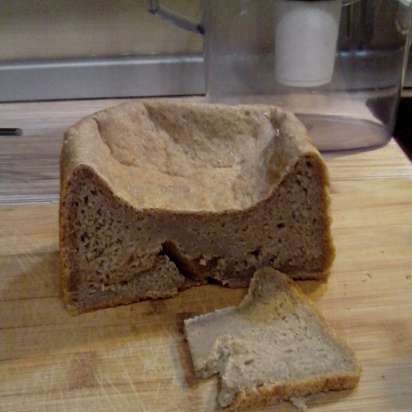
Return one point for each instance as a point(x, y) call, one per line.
point(337, 64)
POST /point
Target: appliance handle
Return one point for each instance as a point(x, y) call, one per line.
point(156, 9)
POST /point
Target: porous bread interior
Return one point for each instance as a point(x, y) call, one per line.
point(273, 345)
point(118, 256)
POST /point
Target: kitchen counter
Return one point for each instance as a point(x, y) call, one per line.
point(134, 358)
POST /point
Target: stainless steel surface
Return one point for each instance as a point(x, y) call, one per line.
point(93, 78)
point(61, 29)
point(156, 9)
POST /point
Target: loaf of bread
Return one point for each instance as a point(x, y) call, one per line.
point(158, 196)
point(273, 346)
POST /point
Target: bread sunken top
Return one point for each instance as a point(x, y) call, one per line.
point(195, 157)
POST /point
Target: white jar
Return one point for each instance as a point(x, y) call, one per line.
point(306, 34)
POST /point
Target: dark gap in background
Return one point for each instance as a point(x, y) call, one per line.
point(403, 128)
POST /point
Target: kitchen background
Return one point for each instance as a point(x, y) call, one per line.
point(123, 43)
point(59, 49)
point(39, 29)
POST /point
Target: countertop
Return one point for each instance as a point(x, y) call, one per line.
point(134, 358)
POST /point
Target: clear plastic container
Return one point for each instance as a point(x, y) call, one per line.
point(338, 64)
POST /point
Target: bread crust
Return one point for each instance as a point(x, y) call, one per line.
point(268, 394)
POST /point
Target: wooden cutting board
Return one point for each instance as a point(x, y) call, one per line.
point(134, 358)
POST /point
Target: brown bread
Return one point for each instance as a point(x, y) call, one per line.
point(159, 196)
point(273, 346)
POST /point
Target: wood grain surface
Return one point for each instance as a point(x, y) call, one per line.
point(134, 358)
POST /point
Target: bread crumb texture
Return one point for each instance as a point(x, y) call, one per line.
point(273, 346)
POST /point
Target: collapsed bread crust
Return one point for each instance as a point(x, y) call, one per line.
point(92, 143)
point(85, 149)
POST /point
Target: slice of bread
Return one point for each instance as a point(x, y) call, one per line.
point(273, 346)
point(158, 196)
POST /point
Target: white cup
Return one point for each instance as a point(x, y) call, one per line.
point(306, 34)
